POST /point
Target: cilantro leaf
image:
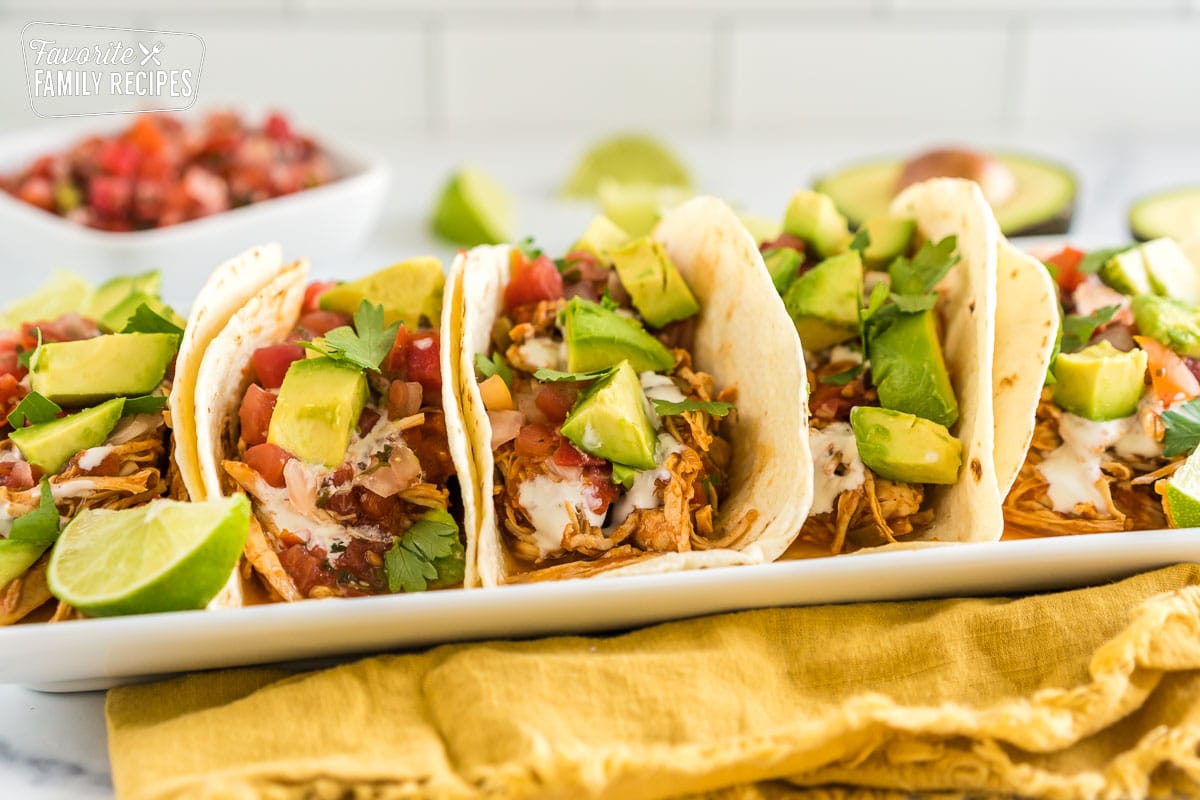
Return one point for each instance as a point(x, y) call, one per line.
point(33, 409)
point(1183, 428)
point(366, 344)
point(1077, 331)
point(921, 273)
point(879, 296)
point(555, 376)
point(26, 356)
point(606, 301)
point(717, 408)
point(146, 404)
point(528, 249)
point(496, 366)
point(861, 240)
point(1093, 261)
point(429, 551)
point(147, 320)
point(40, 526)
point(845, 376)
point(914, 303)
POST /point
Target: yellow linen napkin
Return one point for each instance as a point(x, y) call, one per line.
point(1089, 693)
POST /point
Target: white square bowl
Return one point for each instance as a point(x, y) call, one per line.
point(327, 224)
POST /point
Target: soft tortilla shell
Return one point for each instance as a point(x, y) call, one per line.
point(969, 510)
point(230, 287)
point(744, 338)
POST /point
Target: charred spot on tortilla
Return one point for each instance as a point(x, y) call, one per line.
point(1007, 381)
point(971, 306)
point(976, 470)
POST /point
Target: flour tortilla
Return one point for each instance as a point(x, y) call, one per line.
point(230, 287)
point(969, 510)
point(744, 338)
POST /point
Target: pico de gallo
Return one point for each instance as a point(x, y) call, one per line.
point(163, 170)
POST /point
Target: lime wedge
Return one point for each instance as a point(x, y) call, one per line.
point(163, 556)
point(626, 158)
point(63, 293)
point(637, 207)
point(474, 209)
point(1182, 498)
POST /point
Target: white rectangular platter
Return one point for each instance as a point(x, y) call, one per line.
point(98, 653)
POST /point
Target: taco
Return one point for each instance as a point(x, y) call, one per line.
point(1116, 417)
point(324, 403)
point(631, 407)
point(896, 322)
point(82, 424)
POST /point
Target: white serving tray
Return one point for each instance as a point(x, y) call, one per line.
point(94, 654)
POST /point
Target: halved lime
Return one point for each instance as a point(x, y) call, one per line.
point(626, 158)
point(1182, 499)
point(637, 207)
point(474, 209)
point(63, 293)
point(163, 556)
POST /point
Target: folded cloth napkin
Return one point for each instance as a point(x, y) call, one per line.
point(1093, 693)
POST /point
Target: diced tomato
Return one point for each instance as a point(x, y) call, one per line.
point(397, 360)
point(366, 420)
point(1066, 265)
point(319, 323)
point(145, 135)
point(568, 455)
point(532, 281)
point(37, 191)
point(556, 399)
point(11, 392)
point(271, 363)
point(604, 491)
point(10, 362)
point(16, 475)
point(110, 195)
point(537, 441)
point(313, 292)
point(119, 157)
point(1173, 382)
point(268, 460)
point(306, 567)
point(423, 361)
point(278, 127)
point(784, 241)
point(255, 414)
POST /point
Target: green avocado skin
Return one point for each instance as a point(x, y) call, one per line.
point(909, 369)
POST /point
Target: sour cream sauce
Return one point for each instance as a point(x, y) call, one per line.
point(546, 500)
point(838, 466)
point(542, 352)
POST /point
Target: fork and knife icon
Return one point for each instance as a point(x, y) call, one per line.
point(151, 53)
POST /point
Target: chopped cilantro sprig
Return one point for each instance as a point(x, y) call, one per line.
point(364, 345)
point(718, 408)
point(428, 554)
point(1182, 425)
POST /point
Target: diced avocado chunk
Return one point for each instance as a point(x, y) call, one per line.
point(610, 421)
point(408, 291)
point(824, 302)
point(17, 557)
point(784, 265)
point(1172, 322)
point(117, 291)
point(51, 444)
point(659, 292)
point(317, 410)
point(598, 338)
point(600, 236)
point(87, 371)
point(1171, 272)
point(904, 447)
point(909, 369)
point(813, 217)
point(117, 317)
point(1126, 272)
point(890, 237)
point(1100, 382)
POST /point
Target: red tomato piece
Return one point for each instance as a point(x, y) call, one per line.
point(268, 460)
point(118, 157)
point(424, 361)
point(278, 127)
point(319, 323)
point(271, 363)
point(313, 292)
point(397, 360)
point(37, 191)
point(568, 455)
point(555, 400)
point(1173, 382)
point(16, 475)
point(110, 195)
point(532, 281)
point(1066, 266)
point(255, 414)
point(537, 441)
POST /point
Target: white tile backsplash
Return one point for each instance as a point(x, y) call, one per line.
point(580, 74)
point(854, 76)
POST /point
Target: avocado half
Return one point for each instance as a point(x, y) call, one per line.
point(1174, 214)
point(1044, 203)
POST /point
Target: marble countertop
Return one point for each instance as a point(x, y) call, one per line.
point(54, 746)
